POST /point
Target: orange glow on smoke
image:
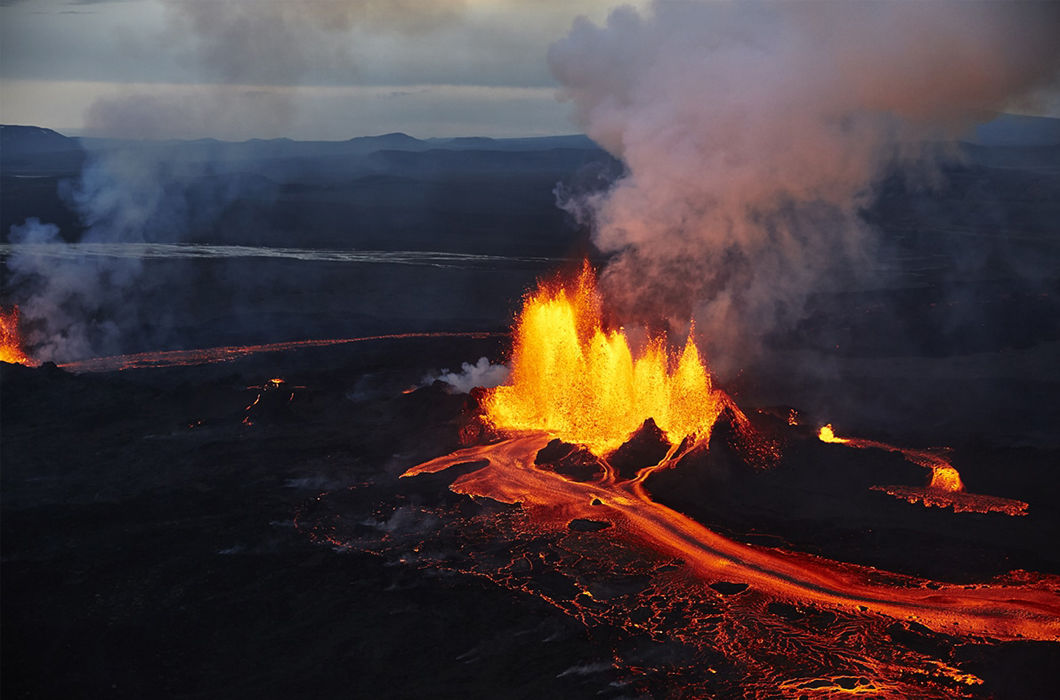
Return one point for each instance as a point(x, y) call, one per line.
point(582, 383)
point(10, 338)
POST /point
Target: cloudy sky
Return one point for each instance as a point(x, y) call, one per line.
point(327, 69)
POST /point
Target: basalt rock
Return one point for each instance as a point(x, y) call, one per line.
point(574, 462)
point(645, 447)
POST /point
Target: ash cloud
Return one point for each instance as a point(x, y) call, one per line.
point(754, 133)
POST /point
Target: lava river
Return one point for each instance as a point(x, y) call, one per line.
point(580, 386)
point(1020, 608)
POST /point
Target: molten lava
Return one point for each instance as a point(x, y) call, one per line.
point(1018, 606)
point(229, 353)
point(826, 435)
point(11, 338)
point(944, 490)
point(582, 383)
point(574, 380)
point(944, 476)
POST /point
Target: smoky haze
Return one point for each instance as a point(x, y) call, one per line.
point(252, 56)
point(754, 134)
point(279, 43)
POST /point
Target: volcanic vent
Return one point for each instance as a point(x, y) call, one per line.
point(583, 383)
point(575, 382)
point(11, 337)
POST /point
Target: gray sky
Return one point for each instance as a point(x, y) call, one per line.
point(307, 69)
point(328, 69)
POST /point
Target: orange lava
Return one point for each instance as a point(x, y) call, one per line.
point(944, 476)
point(228, 353)
point(584, 384)
point(11, 338)
point(826, 435)
point(1021, 606)
point(574, 380)
point(944, 490)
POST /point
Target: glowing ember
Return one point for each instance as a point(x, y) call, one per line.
point(582, 383)
point(10, 338)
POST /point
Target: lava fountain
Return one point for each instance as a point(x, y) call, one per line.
point(11, 338)
point(575, 381)
point(582, 383)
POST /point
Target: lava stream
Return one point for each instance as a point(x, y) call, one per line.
point(1005, 610)
point(945, 489)
point(228, 353)
point(574, 380)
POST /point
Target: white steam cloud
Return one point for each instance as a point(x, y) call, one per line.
point(753, 131)
point(482, 373)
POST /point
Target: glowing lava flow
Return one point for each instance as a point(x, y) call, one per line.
point(583, 384)
point(11, 338)
point(1018, 608)
point(228, 353)
point(945, 490)
point(573, 380)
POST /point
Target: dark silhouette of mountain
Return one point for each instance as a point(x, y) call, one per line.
point(1019, 130)
point(18, 140)
point(395, 139)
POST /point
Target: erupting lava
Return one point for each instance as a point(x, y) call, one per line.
point(945, 490)
point(575, 381)
point(11, 338)
point(944, 476)
point(583, 384)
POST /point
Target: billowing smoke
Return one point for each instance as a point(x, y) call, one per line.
point(62, 299)
point(754, 132)
point(77, 304)
point(254, 54)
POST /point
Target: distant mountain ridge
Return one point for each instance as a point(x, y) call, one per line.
point(20, 140)
point(1018, 130)
point(17, 140)
point(25, 140)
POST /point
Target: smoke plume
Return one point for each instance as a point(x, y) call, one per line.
point(253, 55)
point(754, 132)
point(78, 305)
